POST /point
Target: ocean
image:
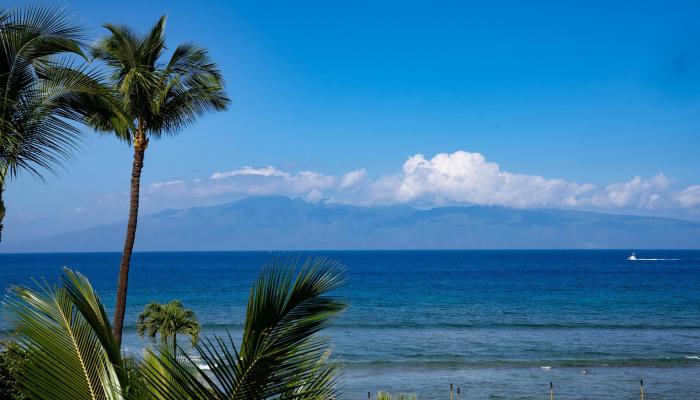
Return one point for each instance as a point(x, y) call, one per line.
point(498, 324)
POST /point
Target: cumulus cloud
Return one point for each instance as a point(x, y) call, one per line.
point(352, 178)
point(690, 197)
point(447, 178)
point(464, 177)
point(646, 194)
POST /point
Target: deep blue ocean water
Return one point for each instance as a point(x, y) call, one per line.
point(500, 324)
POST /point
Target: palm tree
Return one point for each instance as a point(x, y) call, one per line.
point(73, 354)
point(39, 92)
point(279, 355)
point(157, 99)
point(168, 320)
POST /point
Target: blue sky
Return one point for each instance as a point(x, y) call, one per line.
point(570, 101)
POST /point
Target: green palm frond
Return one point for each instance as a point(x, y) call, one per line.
point(89, 305)
point(163, 97)
point(153, 44)
point(72, 353)
point(320, 384)
point(39, 136)
point(42, 94)
point(35, 31)
point(280, 354)
point(36, 92)
point(190, 86)
point(64, 331)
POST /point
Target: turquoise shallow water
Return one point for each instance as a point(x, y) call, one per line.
point(501, 324)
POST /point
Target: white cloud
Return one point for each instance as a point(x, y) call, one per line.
point(156, 185)
point(463, 177)
point(690, 197)
point(229, 185)
point(648, 194)
point(314, 196)
point(309, 180)
point(447, 178)
point(265, 171)
point(352, 178)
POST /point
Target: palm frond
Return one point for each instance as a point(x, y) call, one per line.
point(89, 305)
point(132, 76)
point(173, 377)
point(35, 31)
point(73, 354)
point(280, 354)
point(61, 330)
point(38, 94)
point(320, 384)
point(163, 97)
point(190, 86)
point(153, 44)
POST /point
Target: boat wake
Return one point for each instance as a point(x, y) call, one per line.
point(634, 257)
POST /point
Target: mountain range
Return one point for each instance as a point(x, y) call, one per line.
point(281, 223)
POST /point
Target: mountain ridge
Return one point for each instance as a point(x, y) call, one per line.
point(282, 223)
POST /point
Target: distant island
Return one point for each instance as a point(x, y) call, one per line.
point(281, 223)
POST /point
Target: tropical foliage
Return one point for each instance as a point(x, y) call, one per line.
point(168, 320)
point(40, 92)
point(65, 346)
point(72, 353)
point(400, 396)
point(12, 361)
point(156, 98)
point(280, 354)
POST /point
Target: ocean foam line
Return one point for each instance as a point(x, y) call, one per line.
point(208, 328)
point(514, 326)
point(457, 325)
point(688, 361)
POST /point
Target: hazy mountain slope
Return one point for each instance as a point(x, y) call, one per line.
point(280, 223)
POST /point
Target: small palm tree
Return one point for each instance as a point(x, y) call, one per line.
point(279, 356)
point(168, 320)
point(73, 354)
point(39, 92)
point(157, 99)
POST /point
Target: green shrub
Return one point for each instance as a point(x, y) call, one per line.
point(12, 361)
point(400, 396)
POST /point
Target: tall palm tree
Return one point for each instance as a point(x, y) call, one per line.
point(40, 92)
point(73, 354)
point(168, 320)
point(158, 98)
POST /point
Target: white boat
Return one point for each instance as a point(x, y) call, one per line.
point(633, 257)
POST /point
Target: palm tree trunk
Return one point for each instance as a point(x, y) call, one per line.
point(174, 343)
point(140, 144)
point(2, 207)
